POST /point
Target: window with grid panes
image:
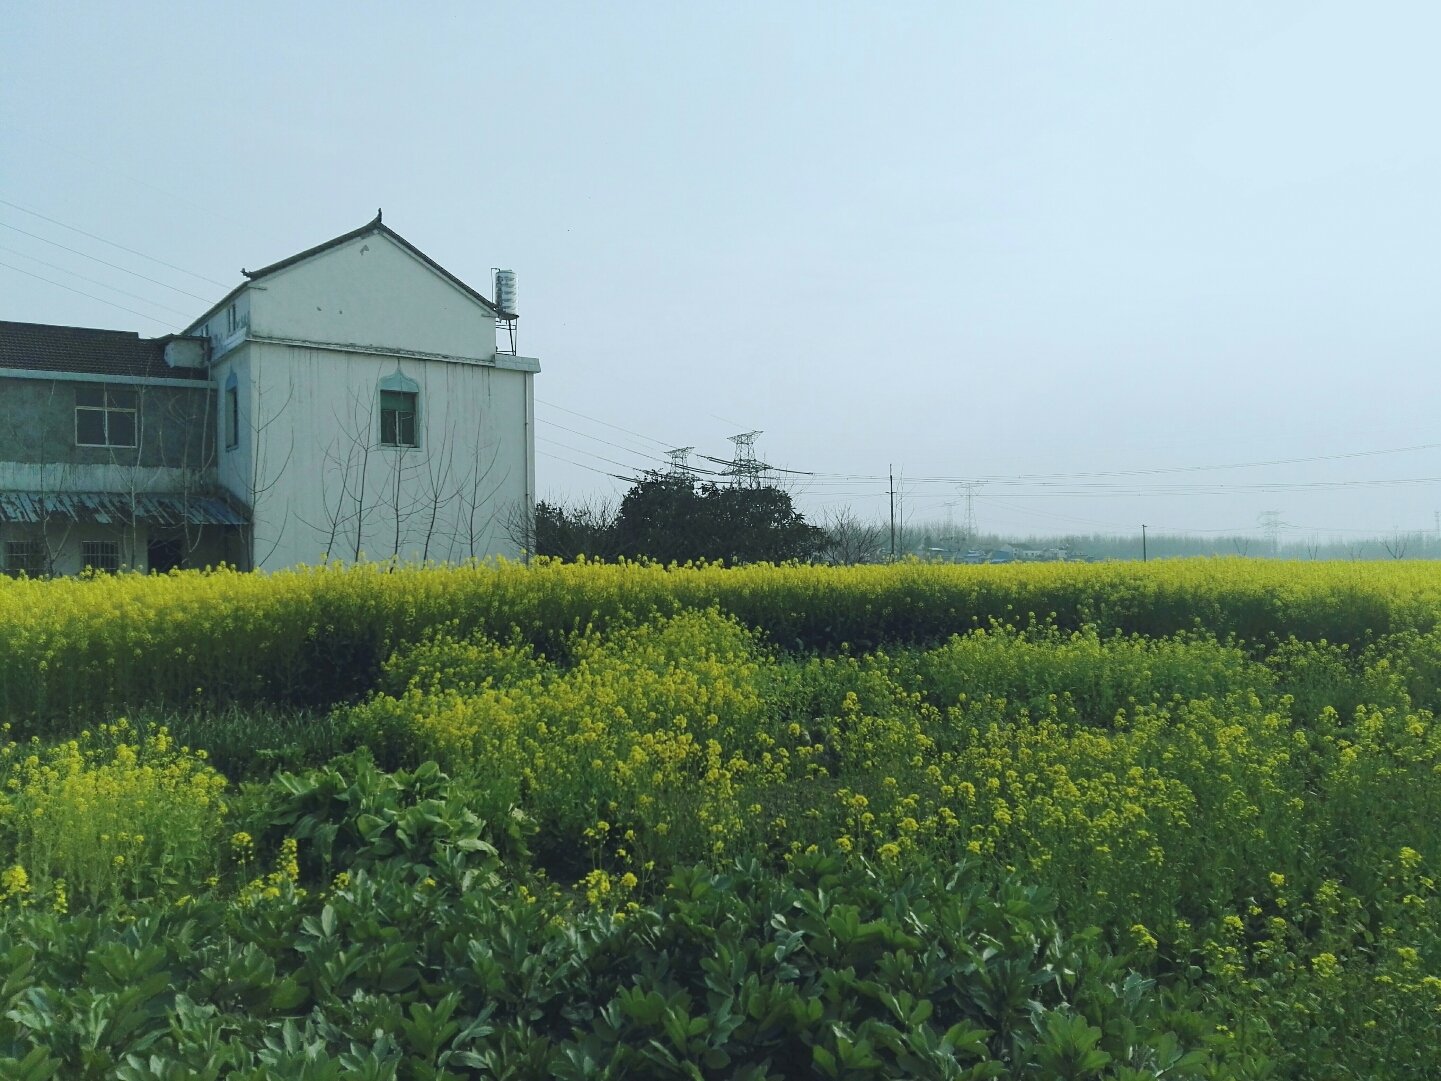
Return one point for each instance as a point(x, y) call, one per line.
point(105, 416)
point(101, 555)
point(26, 557)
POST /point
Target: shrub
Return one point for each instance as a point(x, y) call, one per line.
point(113, 813)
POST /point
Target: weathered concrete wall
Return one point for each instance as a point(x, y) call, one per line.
point(175, 425)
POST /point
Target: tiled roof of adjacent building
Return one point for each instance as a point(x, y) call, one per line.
point(46, 348)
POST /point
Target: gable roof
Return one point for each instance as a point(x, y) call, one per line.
point(370, 228)
point(42, 347)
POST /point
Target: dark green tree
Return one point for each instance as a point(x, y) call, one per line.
point(662, 518)
point(757, 525)
point(671, 519)
point(567, 532)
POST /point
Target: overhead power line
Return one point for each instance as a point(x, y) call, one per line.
point(95, 281)
point(113, 244)
point(618, 446)
point(596, 420)
point(581, 465)
point(83, 293)
point(1136, 491)
point(1056, 478)
point(103, 262)
point(598, 439)
point(774, 468)
point(589, 454)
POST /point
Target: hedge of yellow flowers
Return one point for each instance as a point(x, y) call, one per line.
point(100, 645)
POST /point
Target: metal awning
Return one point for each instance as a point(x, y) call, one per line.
point(120, 508)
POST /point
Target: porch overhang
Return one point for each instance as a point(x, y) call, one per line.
point(120, 508)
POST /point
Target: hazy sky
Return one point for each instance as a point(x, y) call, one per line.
point(1041, 244)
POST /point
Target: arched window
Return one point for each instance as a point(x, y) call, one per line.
point(399, 411)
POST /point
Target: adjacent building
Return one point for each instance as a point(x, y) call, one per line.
point(349, 402)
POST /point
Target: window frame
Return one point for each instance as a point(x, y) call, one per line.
point(398, 385)
point(91, 549)
point(34, 564)
point(396, 429)
point(105, 409)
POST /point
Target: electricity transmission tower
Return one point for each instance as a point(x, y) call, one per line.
point(745, 468)
point(1271, 525)
point(680, 461)
point(969, 487)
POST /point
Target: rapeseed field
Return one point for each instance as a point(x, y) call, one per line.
point(1036, 821)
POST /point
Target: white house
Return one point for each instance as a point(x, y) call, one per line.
point(361, 410)
point(364, 410)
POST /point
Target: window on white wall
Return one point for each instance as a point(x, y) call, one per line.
point(105, 416)
point(399, 411)
point(397, 418)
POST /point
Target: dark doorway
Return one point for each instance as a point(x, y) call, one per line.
point(164, 554)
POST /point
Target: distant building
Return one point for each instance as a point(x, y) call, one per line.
point(348, 402)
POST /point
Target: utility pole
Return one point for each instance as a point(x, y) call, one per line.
point(1143, 542)
point(892, 469)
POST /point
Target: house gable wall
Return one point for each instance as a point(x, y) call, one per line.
point(371, 292)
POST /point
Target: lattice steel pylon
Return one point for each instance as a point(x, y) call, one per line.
point(969, 487)
point(746, 469)
point(1271, 524)
point(680, 461)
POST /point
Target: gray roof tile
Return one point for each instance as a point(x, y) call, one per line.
point(46, 348)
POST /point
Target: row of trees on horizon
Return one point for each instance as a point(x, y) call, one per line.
point(672, 518)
